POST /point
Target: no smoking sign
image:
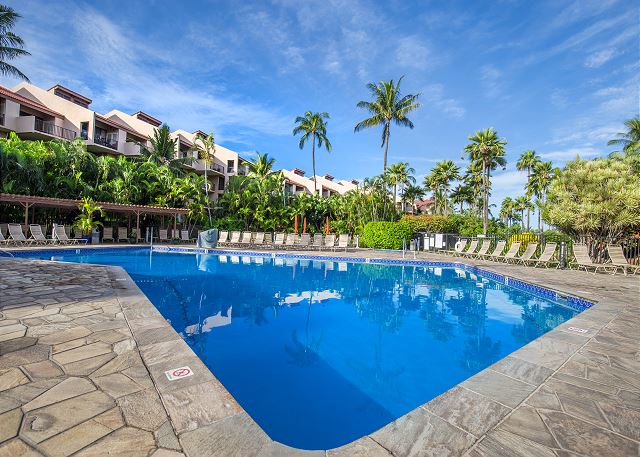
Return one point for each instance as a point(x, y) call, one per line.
point(178, 373)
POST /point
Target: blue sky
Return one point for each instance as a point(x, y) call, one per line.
point(556, 76)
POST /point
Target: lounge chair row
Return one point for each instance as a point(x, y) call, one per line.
point(284, 240)
point(16, 236)
point(617, 261)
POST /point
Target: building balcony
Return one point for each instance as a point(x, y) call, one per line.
point(110, 142)
point(32, 128)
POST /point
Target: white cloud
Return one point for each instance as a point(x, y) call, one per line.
point(586, 152)
point(599, 58)
point(412, 52)
point(433, 95)
point(491, 79)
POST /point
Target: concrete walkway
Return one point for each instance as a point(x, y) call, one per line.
point(83, 355)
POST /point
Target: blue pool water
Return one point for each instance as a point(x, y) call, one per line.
point(320, 353)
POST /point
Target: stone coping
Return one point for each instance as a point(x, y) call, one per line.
point(506, 406)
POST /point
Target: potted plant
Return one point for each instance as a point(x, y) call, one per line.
point(85, 220)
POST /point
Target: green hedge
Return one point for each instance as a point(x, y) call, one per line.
point(386, 235)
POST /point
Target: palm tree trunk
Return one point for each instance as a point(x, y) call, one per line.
point(528, 209)
point(206, 189)
point(395, 193)
point(386, 147)
point(485, 197)
point(313, 162)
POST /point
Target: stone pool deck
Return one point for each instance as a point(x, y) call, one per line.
point(83, 355)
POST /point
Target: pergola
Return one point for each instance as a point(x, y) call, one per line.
point(28, 201)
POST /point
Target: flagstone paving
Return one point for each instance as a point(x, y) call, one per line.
point(83, 355)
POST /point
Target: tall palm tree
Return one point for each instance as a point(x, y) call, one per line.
point(388, 106)
point(629, 140)
point(462, 194)
point(313, 126)
point(11, 45)
point(262, 167)
point(400, 174)
point(205, 148)
point(448, 172)
point(506, 210)
point(528, 159)
point(522, 204)
point(487, 150)
point(543, 174)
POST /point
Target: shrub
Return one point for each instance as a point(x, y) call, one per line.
point(432, 223)
point(524, 239)
point(386, 235)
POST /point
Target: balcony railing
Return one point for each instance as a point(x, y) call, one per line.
point(51, 129)
point(218, 168)
point(110, 142)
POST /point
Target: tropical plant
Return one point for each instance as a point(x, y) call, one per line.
point(86, 221)
point(528, 159)
point(629, 140)
point(507, 211)
point(522, 204)
point(313, 126)
point(410, 194)
point(386, 235)
point(205, 148)
point(487, 151)
point(11, 45)
point(598, 199)
point(462, 194)
point(400, 174)
point(388, 106)
point(543, 173)
point(262, 167)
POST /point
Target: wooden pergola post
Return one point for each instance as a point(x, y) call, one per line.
point(137, 226)
point(175, 224)
point(26, 205)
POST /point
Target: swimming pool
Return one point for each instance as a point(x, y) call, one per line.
point(320, 353)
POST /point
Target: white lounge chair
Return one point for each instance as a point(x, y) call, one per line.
point(123, 234)
point(305, 240)
point(618, 259)
point(583, 259)
point(184, 236)
point(545, 257)
point(163, 235)
point(291, 239)
point(107, 234)
point(486, 244)
point(38, 236)
point(473, 245)
point(246, 238)
point(223, 236)
point(329, 241)
point(343, 241)
point(527, 254)
point(258, 239)
point(510, 254)
point(279, 240)
point(17, 235)
point(496, 251)
point(317, 241)
point(458, 248)
point(61, 236)
point(235, 238)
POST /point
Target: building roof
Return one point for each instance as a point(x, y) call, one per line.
point(4, 91)
point(424, 203)
point(114, 123)
point(200, 132)
point(147, 118)
point(74, 94)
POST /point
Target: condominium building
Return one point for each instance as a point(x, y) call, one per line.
point(324, 186)
point(59, 113)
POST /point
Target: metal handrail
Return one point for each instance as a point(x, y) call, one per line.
point(52, 129)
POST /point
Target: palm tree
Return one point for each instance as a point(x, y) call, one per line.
point(506, 210)
point(448, 171)
point(387, 106)
point(412, 193)
point(205, 148)
point(487, 150)
point(462, 194)
point(629, 140)
point(11, 45)
point(528, 159)
point(262, 167)
point(522, 204)
point(543, 174)
point(314, 126)
point(400, 174)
